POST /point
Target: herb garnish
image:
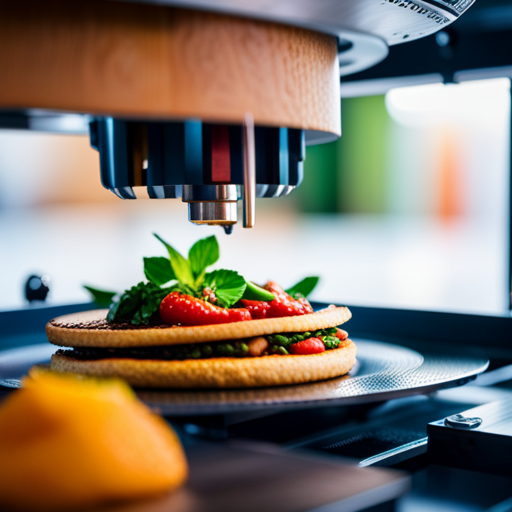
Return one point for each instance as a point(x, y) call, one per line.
point(100, 297)
point(303, 288)
point(158, 270)
point(140, 304)
point(228, 286)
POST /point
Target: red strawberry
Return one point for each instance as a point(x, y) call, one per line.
point(309, 346)
point(257, 308)
point(181, 309)
point(283, 305)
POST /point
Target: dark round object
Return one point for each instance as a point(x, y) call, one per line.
point(443, 38)
point(37, 287)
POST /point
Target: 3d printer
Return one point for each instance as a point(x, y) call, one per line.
point(211, 104)
point(214, 102)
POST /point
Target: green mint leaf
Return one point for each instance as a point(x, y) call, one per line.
point(228, 286)
point(303, 288)
point(179, 264)
point(112, 312)
point(202, 255)
point(139, 304)
point(100, 297)
point(158, 270)
point(255, 292)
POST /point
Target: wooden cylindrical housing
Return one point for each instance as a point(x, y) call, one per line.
point(152, 61)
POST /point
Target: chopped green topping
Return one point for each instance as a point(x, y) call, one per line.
point(331, 342)
point(242, 350)
point(139, 304)
point(206, 350)
point(283, 340)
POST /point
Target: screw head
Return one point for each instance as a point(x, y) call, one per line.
point(462, 422)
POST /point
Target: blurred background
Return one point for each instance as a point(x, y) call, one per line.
point(408, 209)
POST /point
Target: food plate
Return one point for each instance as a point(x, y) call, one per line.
point(383, 371)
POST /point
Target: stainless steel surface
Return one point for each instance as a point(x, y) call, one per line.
point(14, 363)
point(249, 199)
point(202, 193)
point(397, 455)
point(382, 372)
point(213, 213)
point(212, 204)
point(10, 383)
point(391, 21)
point(495, 418)
point(478, 439)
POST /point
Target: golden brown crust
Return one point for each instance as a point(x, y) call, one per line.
point(222, 372)
point(79, 337)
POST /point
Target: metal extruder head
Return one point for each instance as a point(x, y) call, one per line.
point(209, 166)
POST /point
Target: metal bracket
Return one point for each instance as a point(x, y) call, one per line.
point(249, 199)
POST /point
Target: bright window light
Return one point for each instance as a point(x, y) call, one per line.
point(426, 105)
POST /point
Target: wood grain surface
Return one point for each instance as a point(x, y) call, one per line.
point(253, 477)
point(127, 59)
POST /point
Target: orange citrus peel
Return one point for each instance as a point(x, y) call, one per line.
point(70, 442)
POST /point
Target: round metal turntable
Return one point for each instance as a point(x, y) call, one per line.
point(382, 372)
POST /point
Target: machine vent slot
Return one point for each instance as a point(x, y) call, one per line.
point(373, 442)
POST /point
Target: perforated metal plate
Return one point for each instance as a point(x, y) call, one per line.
point(383, 371)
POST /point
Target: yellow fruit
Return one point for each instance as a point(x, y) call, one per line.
point(68, 442)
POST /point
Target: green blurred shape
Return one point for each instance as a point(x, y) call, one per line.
point(318, 192)
point(362, 155)
point(349, 175)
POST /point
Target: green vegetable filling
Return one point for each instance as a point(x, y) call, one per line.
point(173, 352)
point(278, 344)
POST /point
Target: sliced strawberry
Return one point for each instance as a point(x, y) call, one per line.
point(309, 346)
point(181, 309)
point(257, 308)
point(283, 305)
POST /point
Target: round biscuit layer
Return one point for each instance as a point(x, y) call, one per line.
point(145, 337)
point(222, 372)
